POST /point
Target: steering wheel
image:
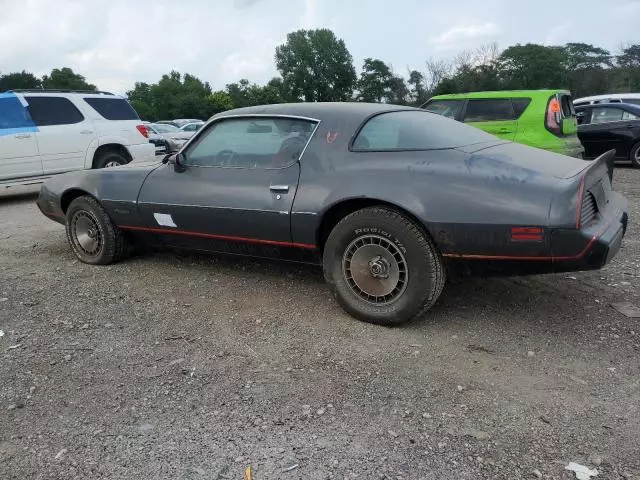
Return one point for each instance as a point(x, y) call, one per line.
point(225, 157)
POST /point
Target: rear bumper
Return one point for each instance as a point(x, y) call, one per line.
point(601, 240)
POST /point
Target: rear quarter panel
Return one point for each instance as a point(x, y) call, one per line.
point(467, 202)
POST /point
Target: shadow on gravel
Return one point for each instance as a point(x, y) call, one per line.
point(17, 198)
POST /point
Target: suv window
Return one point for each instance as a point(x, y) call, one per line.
point(446, 108)
point(13, 114)
point(520, 105)
point(629, 116)
point(415, 130)
point(605, 115)
point(47, 111)
point(490, 109)
point(113, 108)
point(251, 143)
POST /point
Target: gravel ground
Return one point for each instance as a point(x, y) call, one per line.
point(194, 367)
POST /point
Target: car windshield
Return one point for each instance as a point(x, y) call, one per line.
point(416, 130)
point(164, 128)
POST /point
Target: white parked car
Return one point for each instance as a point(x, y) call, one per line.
point(192, 127)
point(633, 98)
point(46, 132)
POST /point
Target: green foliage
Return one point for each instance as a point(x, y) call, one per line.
point(65, 79)
point(18, 80)
point(176, 96)
point(316, 66)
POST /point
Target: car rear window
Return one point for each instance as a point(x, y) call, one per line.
point(490, 109)
point(446, 108)
point(520, 105)
point(113, 108)
point(49, 111)
point(415, 130)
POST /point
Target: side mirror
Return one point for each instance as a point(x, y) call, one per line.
point(177, 160)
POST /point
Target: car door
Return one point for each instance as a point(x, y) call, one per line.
point(18, 146)
point(493, 115)
point(64, 134)
point(605, 131)
point(235, 189)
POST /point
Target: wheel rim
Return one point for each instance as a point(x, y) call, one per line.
point(112, 163)
point(86, 233)
point(375, 269)
point(637, 155)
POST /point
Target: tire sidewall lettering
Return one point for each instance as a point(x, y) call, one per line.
point(383, 233)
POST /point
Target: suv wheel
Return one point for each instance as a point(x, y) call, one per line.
point(383, 268)
point(110, 159)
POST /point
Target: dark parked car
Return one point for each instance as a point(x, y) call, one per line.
point(386, 198)
point(602, 127)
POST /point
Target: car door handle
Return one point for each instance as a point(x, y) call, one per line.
point(86, 132)
point(279, 188)
point(23, 135)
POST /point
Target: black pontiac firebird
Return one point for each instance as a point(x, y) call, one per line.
point(387, 198)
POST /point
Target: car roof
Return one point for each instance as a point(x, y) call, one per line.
point(630, 107)
point(616, 96)
point(318, 110)
point(501, 94)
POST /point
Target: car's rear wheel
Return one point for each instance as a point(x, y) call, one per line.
point(382, 266)
point(110, 159)
point(635, 155)
point(92, 235)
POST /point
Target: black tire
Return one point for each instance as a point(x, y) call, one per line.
point(406, 243)
point(634, 155)
point(88, 224)
point(110, 158)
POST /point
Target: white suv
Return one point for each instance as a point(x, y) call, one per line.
point(45, 132)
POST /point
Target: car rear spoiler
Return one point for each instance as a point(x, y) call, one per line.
point(608, 159)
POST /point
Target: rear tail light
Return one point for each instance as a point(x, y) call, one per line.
point(553, 117)
point(143, 130)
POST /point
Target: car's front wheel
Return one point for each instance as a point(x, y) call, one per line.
point(383, 267)
point(92, 235)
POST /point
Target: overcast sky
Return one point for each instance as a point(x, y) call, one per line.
point(117, 42)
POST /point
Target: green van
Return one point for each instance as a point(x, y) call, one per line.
point(539, 118)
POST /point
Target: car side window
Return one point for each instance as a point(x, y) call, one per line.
point(487, 110)
point(48, 111)
point(13, 114)
point(251, 142)
point(629, 116)
point(520, 105)
point(606, 115)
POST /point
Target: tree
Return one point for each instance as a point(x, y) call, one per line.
point(584, 56)
point(628, 78)
point(316, 66)
point(533, 66)
point(176, 96)
point(65, 79)
point(375, 80)
point(18, 80)
point(417, 91)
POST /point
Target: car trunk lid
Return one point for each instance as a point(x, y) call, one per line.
point(535, 160)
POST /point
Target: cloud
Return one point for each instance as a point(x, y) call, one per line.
point(244, 3)
point(560, 34)
point(464, 33)
point(309, 18)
